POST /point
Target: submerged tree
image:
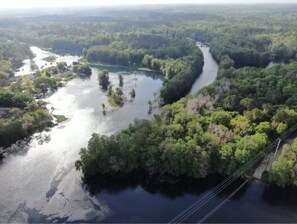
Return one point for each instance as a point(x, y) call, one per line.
point(109, 91)
point(103, 109)
point(150, 105)
point(121, 80)
point(132, 94)
point(103, 79)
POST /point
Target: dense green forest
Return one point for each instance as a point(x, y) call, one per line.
point(244, 31)
point(217, 130)
point(158, 38)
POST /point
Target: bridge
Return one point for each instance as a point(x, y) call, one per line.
point(266, 163)
point(203, 208)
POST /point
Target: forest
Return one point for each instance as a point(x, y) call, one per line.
point(159, 39)
point(215, 131)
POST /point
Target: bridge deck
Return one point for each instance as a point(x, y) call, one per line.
point(266, 163)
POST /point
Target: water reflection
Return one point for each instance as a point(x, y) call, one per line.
point(128, 71)
point(139, 198)
point(170, 187)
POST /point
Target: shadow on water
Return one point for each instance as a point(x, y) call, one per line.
point(275, 196)
point(170, 187)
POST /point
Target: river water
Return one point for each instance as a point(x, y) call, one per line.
point(41, 185)
point(38, 60)
point(210, 70)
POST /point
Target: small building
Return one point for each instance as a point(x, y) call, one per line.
point(31, 77)
point(66, 74)
point(14, 79)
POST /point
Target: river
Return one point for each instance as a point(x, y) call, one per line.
point(39, 60)
point(210, 70)
point(41, 184)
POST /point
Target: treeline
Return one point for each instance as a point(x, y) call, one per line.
point(216, 131)
point(250, 38)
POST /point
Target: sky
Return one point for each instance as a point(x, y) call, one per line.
point(73, 3)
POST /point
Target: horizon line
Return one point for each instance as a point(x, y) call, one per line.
point(146, 4)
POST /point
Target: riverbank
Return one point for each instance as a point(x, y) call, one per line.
point(22, 111)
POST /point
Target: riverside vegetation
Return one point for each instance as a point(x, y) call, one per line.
point(20, 113)
point(225, 124)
